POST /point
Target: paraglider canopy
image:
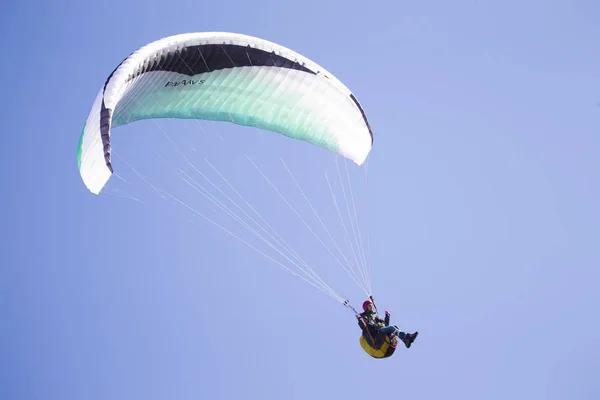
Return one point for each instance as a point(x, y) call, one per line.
point(224, 77)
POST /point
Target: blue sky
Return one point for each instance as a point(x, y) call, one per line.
point(482, 210)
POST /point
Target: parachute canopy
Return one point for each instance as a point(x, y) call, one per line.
point(223, 77)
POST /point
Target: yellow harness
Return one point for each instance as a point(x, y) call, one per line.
point(386, 349)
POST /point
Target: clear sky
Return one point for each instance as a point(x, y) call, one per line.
point(482, 210)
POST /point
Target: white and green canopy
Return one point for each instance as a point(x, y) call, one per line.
point(225, 77)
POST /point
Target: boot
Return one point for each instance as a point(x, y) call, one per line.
point(409, 338)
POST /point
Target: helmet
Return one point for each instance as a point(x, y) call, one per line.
point(367, 302)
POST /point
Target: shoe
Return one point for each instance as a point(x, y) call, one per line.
point(409, 338)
